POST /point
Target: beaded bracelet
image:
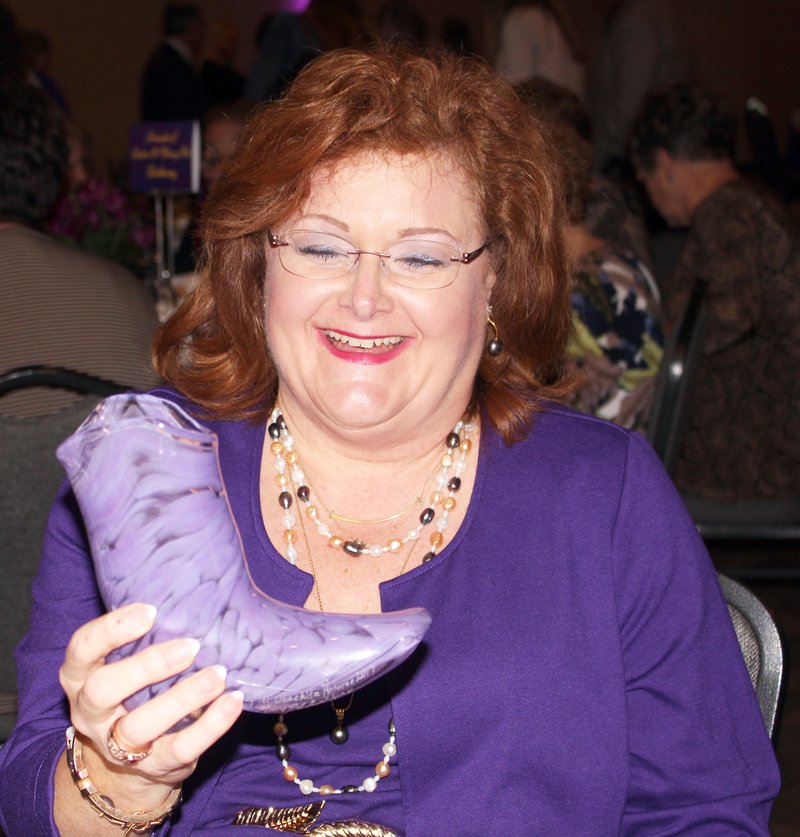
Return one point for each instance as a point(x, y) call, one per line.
point(138, 822)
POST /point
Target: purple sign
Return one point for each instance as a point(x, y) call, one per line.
point(164, 157)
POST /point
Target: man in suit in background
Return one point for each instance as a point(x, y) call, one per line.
point(171, 85)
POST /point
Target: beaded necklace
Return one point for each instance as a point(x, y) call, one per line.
point(307, 786)
point(290, 472)
point(290, 475)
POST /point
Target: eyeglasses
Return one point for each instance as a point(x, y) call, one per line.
point(412, 263)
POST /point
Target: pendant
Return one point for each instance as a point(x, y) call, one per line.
point(339, 733)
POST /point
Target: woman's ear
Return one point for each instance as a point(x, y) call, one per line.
point(488, 283)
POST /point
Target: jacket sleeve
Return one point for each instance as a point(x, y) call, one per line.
point(700, 760)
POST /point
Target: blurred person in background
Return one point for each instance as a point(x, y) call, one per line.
point(12, 66)
point(37, 53)
point(610, 212)
point(171, 85)
point(58, 305)
point(456, 36)
point(221, 81)
point(222, 128)
point(642, 51)
point(538, 38)
point(400, 21)
point(78, 156)
point(616, 341)
point(742, 440)
point(287, 41)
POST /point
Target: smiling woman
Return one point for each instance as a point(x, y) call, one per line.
point(329, 317)
point(376, 339)
point(473, 130)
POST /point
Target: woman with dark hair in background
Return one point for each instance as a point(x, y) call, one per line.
point(384, 283)
point(610, 213)
point(742, 440)
point(616, 340)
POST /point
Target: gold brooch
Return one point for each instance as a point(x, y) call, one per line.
point(301, 818)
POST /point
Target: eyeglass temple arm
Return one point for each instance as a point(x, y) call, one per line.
point(468, 258)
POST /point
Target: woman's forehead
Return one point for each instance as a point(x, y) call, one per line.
point(436, 163)
point(412, 181)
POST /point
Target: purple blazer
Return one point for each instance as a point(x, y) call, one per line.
point(581, 675)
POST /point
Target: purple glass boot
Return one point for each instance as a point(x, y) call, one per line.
point(161, 531)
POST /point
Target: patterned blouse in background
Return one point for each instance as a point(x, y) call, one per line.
point(616, 340)
point(742, 439)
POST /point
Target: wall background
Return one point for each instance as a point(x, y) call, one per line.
point(740, 48)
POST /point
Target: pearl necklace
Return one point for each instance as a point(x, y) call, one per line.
point(307, 786)
point(290, 473)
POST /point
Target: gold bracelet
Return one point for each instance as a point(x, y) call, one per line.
point(139, 821)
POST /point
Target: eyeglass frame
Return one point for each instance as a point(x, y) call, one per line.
point(464, 258)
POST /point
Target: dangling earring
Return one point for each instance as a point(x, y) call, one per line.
point(495, 346)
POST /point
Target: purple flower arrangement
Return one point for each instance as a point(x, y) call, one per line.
point(98, 217)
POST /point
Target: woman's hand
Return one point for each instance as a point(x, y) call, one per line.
point(95, 691)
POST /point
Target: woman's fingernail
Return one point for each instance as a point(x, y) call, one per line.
point(211, 677)
point(231, 703)
point(141, 615)
point(183, 650)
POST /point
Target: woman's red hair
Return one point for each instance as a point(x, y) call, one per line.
point(386, 101)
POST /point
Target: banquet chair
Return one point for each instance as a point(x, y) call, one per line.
point(57, 376)
point(761, 647)
point(741, 523)
point(30, 477)
point(682, 354)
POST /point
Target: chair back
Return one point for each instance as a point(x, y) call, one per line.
point(57, 376)
point(682, 354)
point(29, 480)
point(767, 160)
point(761, 646)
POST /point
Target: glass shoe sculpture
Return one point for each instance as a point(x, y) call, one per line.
point(161, 531)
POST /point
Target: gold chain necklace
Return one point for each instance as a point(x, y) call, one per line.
point(340, 517)
point(358, 522)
